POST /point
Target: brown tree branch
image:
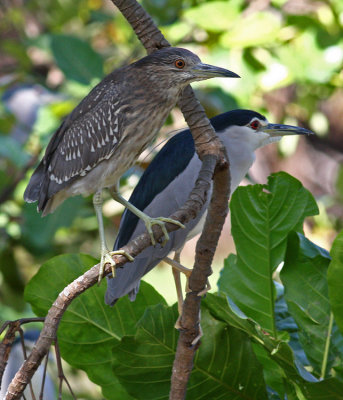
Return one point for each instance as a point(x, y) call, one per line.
point(48, 334)
point(211, 152)
point(7, 342)
point(6, 345)
point(206, 245)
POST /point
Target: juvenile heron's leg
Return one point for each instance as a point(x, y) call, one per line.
point(149, 222)
point(105, 253)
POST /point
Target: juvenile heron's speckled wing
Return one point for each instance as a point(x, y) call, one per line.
point(89, 135)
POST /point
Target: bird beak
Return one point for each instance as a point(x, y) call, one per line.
point(206, 71)
point(283, 130)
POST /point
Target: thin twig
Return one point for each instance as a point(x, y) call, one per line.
point(41, 394)
point(327, 348)
point(6, 344)
point(22, 341)
point(61, 375)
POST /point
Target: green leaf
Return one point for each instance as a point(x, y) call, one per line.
point(76, 58)
point(272, 372)
point(38, 233)
point(225, 364)
point(335, 280)
point(306, 47)
point(224, 367)
point(215, 16)
point(278, 351)
point(261, 218)
point(89, 329)
point(264, 26)
point(285, 322)
point(306, 293)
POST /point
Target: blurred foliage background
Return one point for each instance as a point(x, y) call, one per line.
point(288, 53)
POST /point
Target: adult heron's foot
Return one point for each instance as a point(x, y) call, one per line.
point(160, 221)
point(106, 258)
point(149, 221)
point(206, 289)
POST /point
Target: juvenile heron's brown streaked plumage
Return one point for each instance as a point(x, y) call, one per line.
point(113, 124)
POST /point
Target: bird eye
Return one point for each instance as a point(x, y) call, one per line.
point(179, 63)
point(254, 125)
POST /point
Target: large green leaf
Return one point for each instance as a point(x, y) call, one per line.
point(261, 217)
point(224, 367)
point(76, 58)
point(335, 280)
point(277, 351)
point(306, 292)
point(89, 329)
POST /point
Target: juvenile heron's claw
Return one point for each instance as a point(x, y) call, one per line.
point(106, 258)
point(160, 221)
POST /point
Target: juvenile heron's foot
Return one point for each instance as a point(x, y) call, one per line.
point(106, 258)
point(160, 221)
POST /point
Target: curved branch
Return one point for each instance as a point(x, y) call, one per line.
point(189, 211)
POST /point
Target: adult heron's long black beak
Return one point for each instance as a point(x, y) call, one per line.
point(206, 71)
point(283, 130)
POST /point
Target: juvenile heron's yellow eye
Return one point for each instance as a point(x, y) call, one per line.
point(179, 63)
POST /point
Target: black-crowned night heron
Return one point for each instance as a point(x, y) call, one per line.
point(104, 135)
point(166, 184)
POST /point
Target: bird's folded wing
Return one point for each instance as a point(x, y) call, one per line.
point(87, 142)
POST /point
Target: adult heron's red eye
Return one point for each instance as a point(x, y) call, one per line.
point(254, 125)
point(179, 63)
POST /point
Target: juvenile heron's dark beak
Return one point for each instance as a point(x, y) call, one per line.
point(283, 130)
point(206, 71)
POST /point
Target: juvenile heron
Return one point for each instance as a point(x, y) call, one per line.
point(104, 135)
point(166, 184)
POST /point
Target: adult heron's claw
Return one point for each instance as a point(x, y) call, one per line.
point(106, 258)
point(160, 221)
